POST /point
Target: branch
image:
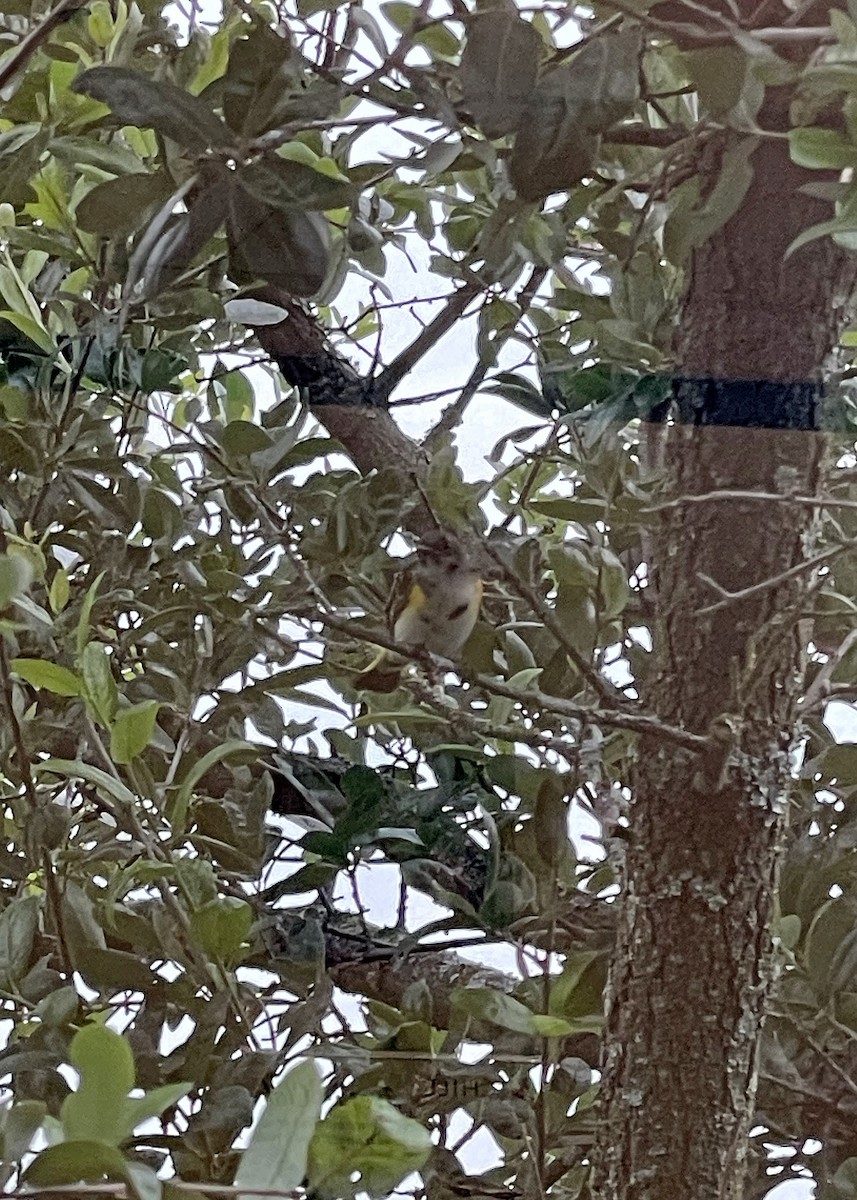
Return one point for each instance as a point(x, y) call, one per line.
point(583, 922)
point(25, 768)
point(642, 135)
point(773, 581)
point(729, 31)
point(637, 722)
point(342, 400)
point(453, 414)
point(608, 693)
point(739, 494)
point(30, 44)
point(819, 689)
point(123, 1192)
point(404, 363)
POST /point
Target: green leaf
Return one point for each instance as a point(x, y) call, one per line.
point(546, 1026)
point(161, 516)
point(50, 676)
point(137, 100)
point(719, 73)
point(725, 198)
point(517, 389)
point(606, 73)
point(400, 14)
point(240, 403)
point(20, 298)
point(368, 1137)
point(59, 592)
point(243, 438)
point(613, 584)
point(31, 328)
point(15, 577)
point(277, 1155)
point(75, 1162)
point(498, 70)
point(821, 149)
point(788, 930)
point(578, 991)
point(831, 948)
point(13, 140)
point(487, 1004)
point(568, 110)
point(113, 157)
point(95, 1112)
point(94, 775)
point(20, 1124)
point(138, 1109)
point(21, 149)
point(511, 893)
point(58, 1008)
point(178, 806)
point(132, 730)
point(83, 624)
point(18, 924)
point(822, 229)
point(171, 242)
point(197, 879)
point(552, 150)
point(113, 970)
point(844, 1182)
point(222, 926)
point(439, 39)
point(839, 764)
point(99, 686)
point(100, 23)
point(117, 207)
point(144, 1184)
point(282, 184)
point(287, 248)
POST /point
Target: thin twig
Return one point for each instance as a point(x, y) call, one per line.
point(122, 1191)
point(713, 37)
point(17, 733)
point(773, 581)
point(551, 622)
point(739, 494)
point(642, 135)
point(819, 688)
point(637, 722)
point(453, 414)
point(531, 698)
point(156, 852)
point(404, 363)
point(25, 767)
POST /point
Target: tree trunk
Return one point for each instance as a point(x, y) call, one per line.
point(693, 960)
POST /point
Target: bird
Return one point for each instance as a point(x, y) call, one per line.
point(433, 606)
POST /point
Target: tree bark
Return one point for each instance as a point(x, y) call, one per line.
point(693, 962)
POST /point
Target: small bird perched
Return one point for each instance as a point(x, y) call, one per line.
point(433, 605)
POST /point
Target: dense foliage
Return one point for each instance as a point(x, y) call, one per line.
point(194, 570)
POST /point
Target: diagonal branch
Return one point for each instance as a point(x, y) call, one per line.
point(352, 408)
point(404, 363)
point(603, 688)
point(30, 44)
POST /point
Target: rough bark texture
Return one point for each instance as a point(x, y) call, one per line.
point(692, 966)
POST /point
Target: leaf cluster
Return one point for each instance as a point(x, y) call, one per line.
point(192, 572)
